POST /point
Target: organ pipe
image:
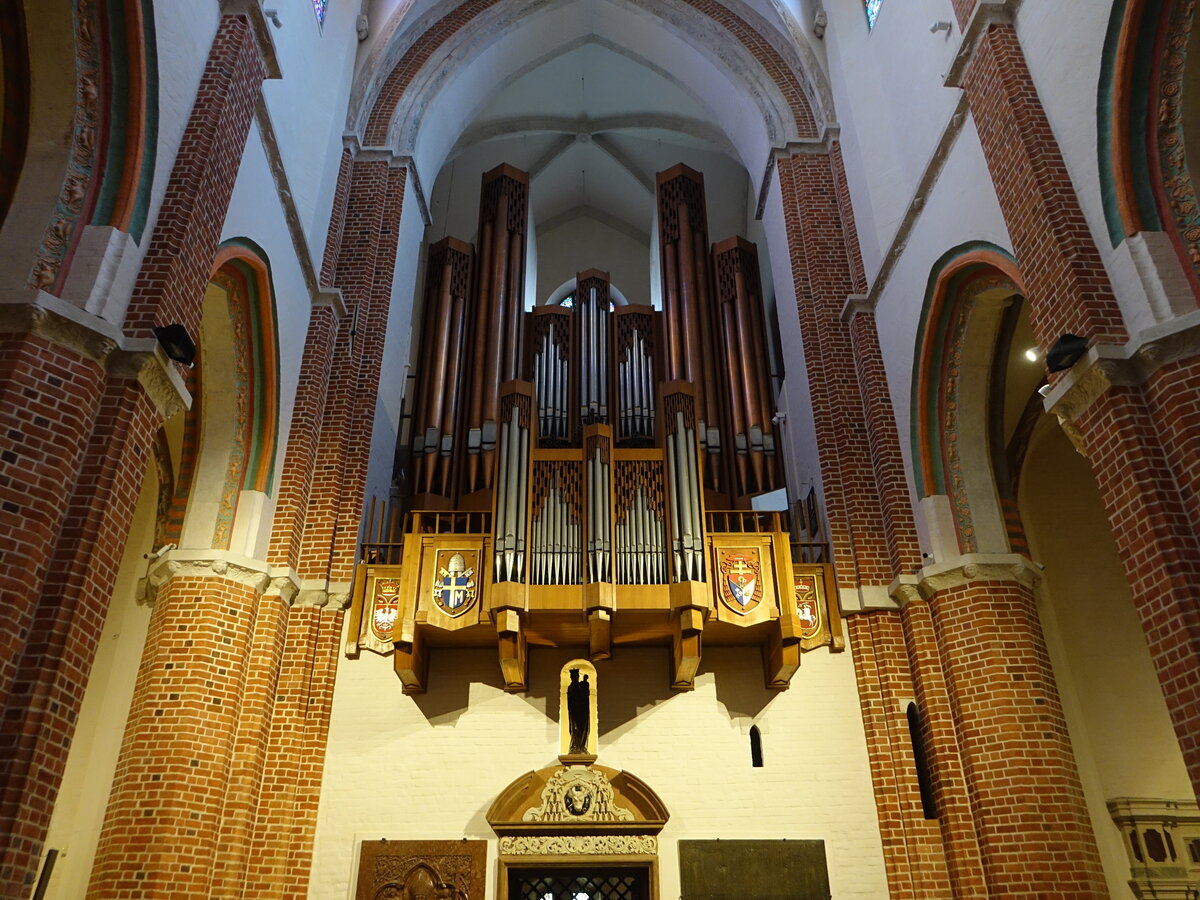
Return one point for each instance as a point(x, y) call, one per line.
point(512, 482)
point(447, 286)
point(739, 296)
point(499, 301)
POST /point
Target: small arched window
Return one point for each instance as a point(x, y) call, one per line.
point(756, 754)
point(924, 782)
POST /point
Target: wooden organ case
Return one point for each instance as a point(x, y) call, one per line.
point(582, 474)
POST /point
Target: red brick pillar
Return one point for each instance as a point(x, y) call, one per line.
point(913, 855)
point(1027, 804)
point(164, 819)
point(867, 502)
point(364, 272)
point(1122, 428)
point(1140, 434)
point(286, 822)
point(954, 817)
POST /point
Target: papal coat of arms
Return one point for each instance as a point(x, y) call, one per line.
point(808, 606)
point(385, 607)
point(454, 584)
point(741, 581)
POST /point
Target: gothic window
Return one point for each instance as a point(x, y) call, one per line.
point(872, 7)
point(319, 9)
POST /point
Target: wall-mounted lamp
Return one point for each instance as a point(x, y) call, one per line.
point(273, 15)
point(939, 25)
point(177, 343)
point(1065, 353)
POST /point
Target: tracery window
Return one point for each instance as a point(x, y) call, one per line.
point(319, 9)
point(872, 7)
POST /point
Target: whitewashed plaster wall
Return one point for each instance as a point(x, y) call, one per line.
point(585, 243)
point(428, 767)
point(891, 106)
point(87, 779)
point(307, 106)
point(961, 207)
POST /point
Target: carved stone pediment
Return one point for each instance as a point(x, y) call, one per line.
point(577, 799)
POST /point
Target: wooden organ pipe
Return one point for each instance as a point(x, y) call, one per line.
point(503, 211)
point(688, 307)
point(447, 284)
point(751, 397)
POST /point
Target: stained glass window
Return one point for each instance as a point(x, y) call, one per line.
point(319, 7)
point(872, 11)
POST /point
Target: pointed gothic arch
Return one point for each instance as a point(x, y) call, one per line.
point(230, 435)
point(971, 303)
point(1146, 114)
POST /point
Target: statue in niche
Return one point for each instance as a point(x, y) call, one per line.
point(577, 711)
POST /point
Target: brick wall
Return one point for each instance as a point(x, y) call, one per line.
point(163, 821)
point(1034, 832)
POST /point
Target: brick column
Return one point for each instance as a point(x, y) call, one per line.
point(163, 823)
point(913, 855)
point(822, 271)
point(954, 818)
point(1118, 426)
point(364, 273)
point(1140, 433)
point(867, 502)
point(286, 820)
point(1030, 817)
point(1066, 282)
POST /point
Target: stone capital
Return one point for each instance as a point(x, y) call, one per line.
point(201, 563)
point(971, 568)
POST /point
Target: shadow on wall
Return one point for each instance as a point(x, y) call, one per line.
point(631, 683)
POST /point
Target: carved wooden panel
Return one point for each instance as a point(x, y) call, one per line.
point(422, 870)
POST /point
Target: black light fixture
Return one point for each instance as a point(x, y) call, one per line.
point(1066, 352)
point(177, 343)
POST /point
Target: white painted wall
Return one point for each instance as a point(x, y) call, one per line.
point(428, 767)
point(83, 797)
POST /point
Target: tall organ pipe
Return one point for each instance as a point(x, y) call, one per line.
point(448, 281)
point(503, 210)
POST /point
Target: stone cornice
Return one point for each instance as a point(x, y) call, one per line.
point(969, 568)
point(1106, 365)
point(855, 304)
point(318, 593)
point(267, 580)
point(66, 325)
point(144, 360)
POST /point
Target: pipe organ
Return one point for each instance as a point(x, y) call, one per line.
point(582, 474)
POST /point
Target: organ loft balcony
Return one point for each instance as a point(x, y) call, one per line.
point(584, 474)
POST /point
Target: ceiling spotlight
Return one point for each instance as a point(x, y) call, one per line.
point(1033, 354)
point(177, 343)
point(273, 15)
point(1066, 352)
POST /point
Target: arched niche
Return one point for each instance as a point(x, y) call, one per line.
point(230, 435)
point(1148, 137)
point(998, 475)
point(87, 71)
point(578, 818)
point(972, 305)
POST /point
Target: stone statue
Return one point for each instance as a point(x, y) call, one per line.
point(579, 701)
